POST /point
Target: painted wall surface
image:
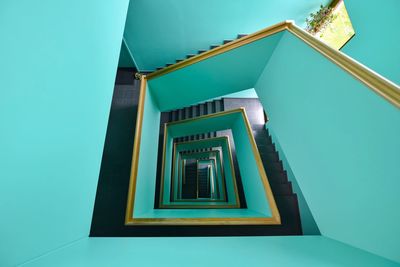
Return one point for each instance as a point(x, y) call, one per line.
point(308, 224)
point(226, 73)
point(376, 43)
point(225, 165)
point(341, 140)
point(159, 32)
point(248, 93)
point(145, 184)
point(57, 71)
point(221, 251)
point(125, 59)
point(256, 196)
point(147, 166)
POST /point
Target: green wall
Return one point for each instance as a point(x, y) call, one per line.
point(125, 59)
point(159, 32)
point(376, 43)
point(226, 73)
point(57, 71)
point(294, 251)
point(147, 166)
point(308, 224)
point(248, 93)
point(255, 193)
point(342, 143)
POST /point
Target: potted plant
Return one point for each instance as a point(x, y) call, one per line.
point(320, 19)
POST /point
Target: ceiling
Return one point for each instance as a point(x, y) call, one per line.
point(159, 32)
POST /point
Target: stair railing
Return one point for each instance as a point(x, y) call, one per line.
point(382, 86)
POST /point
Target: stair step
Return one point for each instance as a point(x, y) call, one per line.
point(276, 166)
point(187, 113)
point(202, 109)
point(227, 41)
point(195, 111)
point(209, 107)
point(262, 138)
point(201, 51)
point(190, 55)
point(213, 46)
point(279, 189)
point(266, 148)
point(277, 177)
point(270, 157)
point(175, 115)
point(290, 215)
point(241, 36)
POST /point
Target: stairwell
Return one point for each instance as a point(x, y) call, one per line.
point(283, 193)
point(239, 36)
point(193, 111)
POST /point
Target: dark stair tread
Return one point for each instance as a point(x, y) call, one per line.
point(290, 213)
point(270, 157)
point(281, 188)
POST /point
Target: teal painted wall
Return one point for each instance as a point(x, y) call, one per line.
point(145, 187)
point(227, 73)
point(376, 43)
point(57, 71)
point(226, 165)
point(341, 140)
point(147, 166)
point(256, 197)
point(311, 251)
point(159, 32)
point(308, 224)
point(248, 93)
point(125, 59)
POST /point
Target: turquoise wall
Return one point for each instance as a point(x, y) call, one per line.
point(376, 43)
point(145, 186)
point(147, 166)
point(308, 224)
point(159, 32)
point(125, 59)
point(224, 164)
point(236, 70)
point(293, 251)
point(248, 93)
point(255, 193)
point(57, 71)
point(341, 141)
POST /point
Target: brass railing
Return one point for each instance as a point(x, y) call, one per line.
point(387, 89)
point(382, 86)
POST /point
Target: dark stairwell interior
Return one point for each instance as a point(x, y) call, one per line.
point(110, 205)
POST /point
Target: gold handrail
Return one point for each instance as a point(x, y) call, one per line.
point(382, 86)
point(221, 49)
point(130, 219)
point(387, 89)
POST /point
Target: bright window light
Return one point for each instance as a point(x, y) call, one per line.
point(339, 31)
